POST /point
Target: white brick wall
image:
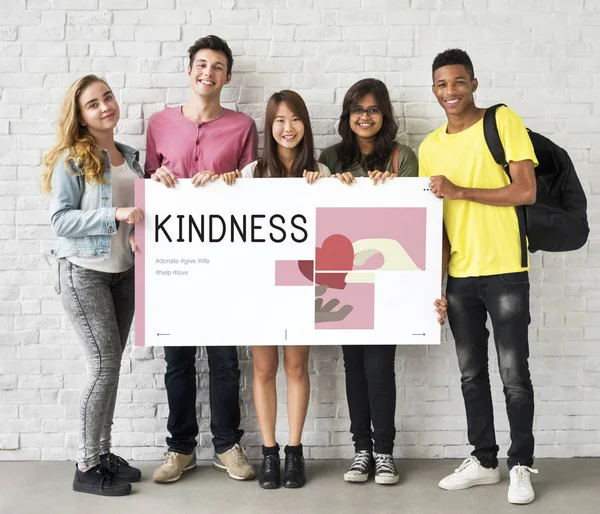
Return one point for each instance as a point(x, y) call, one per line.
point(540, 56)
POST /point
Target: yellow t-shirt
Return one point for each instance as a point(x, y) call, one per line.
point(484, 239)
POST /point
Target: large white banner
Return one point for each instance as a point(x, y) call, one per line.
point(275, 262)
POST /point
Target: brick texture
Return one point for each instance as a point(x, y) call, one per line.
point(539, 57)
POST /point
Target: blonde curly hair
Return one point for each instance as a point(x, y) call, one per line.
point(74, 138)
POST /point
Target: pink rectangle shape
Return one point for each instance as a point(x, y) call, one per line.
point(362, 299)
point(287, 273)
point(140, 267)
point(406, 225)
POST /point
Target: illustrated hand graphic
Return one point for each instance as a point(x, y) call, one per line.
point(325, 313)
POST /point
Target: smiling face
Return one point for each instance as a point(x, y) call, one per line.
point(98, 108)
point(208, 73)
point(366, 118)
point(288, 128)
point(454, 88)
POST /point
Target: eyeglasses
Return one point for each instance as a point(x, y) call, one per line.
point(371, 112)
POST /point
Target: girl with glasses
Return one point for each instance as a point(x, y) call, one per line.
point(368, 129)
point(368, 149)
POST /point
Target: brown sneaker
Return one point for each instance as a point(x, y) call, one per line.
point(235, 463)
point(173, 466)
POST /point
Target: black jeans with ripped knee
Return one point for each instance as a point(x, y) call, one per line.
point(506, 299)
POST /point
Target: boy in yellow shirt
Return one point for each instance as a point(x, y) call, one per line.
point(485, 274)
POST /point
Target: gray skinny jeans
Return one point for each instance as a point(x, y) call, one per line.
point(100, 307)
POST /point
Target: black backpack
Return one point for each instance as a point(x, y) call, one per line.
point(557, 221)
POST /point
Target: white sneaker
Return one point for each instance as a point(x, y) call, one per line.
point(520, 490)
point(468, 474)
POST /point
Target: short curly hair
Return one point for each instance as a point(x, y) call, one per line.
point(453, 56)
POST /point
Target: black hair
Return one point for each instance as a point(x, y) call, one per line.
point(270, 165)
point(212, 43)
point(348, 151)
point(453, 56)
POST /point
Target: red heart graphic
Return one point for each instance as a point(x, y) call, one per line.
point(306, 268)
point(336, 253)
point(333, 280)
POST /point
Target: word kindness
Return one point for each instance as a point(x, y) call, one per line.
point(214, 228)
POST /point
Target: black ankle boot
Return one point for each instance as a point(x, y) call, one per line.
point(294, 475)
point(120, 467)
point(98, 480)
point(269, 476)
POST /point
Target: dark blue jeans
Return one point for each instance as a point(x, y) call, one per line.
point(224, 388)
point(506, 299)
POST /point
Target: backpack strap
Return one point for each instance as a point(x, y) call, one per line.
point(492, 136)
point(396, 158)
point(494, 144)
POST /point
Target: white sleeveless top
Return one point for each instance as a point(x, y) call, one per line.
point(248, 171)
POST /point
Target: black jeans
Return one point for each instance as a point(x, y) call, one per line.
point(371, 393)
point(506, 299)
point(224, 388)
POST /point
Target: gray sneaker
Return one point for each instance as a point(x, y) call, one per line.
point(174, 465)
point(235, 463)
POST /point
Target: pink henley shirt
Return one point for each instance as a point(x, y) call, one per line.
point(226, 143)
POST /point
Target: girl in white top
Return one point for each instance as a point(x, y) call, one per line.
point(121, 244)
point(90, 177)
point(288, 152)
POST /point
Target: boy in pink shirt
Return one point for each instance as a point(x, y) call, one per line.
point(201, 140)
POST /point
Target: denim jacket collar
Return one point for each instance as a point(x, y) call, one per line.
point(127, 150)
point(131, 155)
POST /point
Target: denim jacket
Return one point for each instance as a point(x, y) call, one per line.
point(85, 233)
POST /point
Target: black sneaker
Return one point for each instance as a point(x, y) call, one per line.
point(294, 474)
point(98, 480)
point(269, 476)
point(120, 467)
point(385, 469)
point(361, 468)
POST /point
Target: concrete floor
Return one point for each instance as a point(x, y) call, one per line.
point(569, 485)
